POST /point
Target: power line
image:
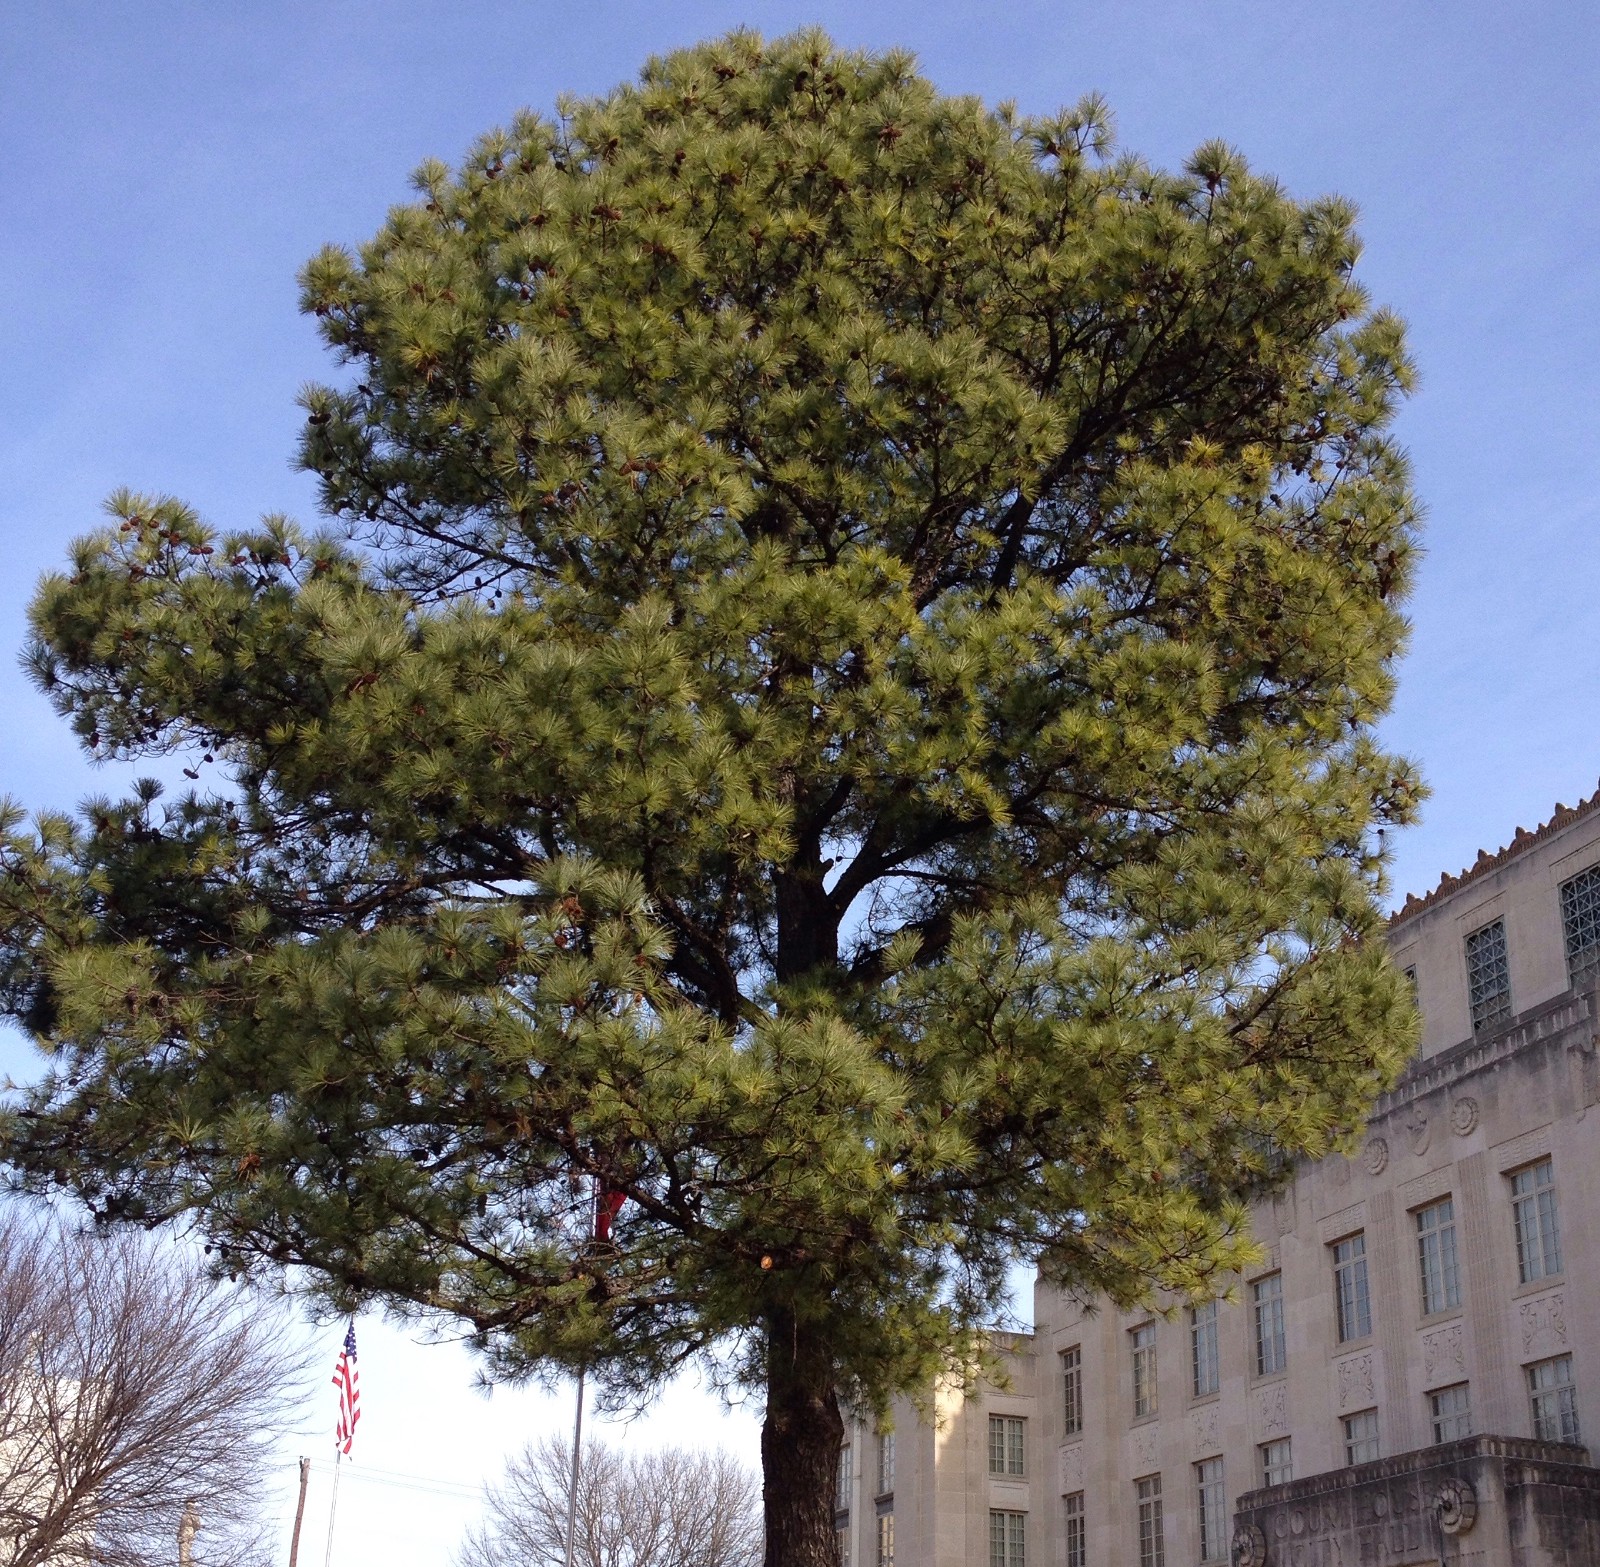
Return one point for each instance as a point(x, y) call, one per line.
point(402, 1481)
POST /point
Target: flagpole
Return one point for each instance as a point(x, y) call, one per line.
point(572, 1489)
point(332, 1506)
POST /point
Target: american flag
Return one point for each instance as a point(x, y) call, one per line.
point(348, 1382)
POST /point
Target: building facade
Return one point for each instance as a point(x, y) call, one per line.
point(1409, 1375)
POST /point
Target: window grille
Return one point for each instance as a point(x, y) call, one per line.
point(1267, 1302)
point(1072, 1390)
point(1144, 1370)
point(1152, 1529)
point(1554, 1399)
point(1351, 1295)
point(1533, 1209)
point(1436, 1257)
point(1006, 1445)
point(1213, 1511)
point(1488, 976)
point(1580, 924)
point(1204, 1354)
point(1361, 1437)
point(1277, 1466)
point(1008, 1539)
point(1077, 1531)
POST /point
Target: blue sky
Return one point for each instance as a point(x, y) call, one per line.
point(169, 166)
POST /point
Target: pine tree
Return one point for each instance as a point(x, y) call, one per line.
point(833, 718)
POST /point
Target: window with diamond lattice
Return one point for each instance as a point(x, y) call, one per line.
point(1488, 976)
point(1580, 924)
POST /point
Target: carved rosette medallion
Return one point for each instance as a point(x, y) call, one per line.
point(1376, 1159)
point(1249, 1546)
point(1455, 1505)
point(1463, 1115)
point(1420, 1125)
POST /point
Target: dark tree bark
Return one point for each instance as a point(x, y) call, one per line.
point(800, 1441)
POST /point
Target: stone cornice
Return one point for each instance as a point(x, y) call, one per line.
point(1569, 1011)
point(1447, 1455)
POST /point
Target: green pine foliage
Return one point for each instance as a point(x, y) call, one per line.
point(841, 707)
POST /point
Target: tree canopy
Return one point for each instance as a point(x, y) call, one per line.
point(836, 711)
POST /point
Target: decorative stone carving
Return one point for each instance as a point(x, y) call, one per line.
point(1355, 1381)
point(1420, 1127)
point(1584, 1055)
point(1463, 1115)
point(1442, 1353)
point(1072, 1467)
point(1249, 1546)
point(1203, 1428)
point(1376, 1158)
point(1544, 1323)
point(1272, 1409)
point(1455, 1505)
point(1144, 1450)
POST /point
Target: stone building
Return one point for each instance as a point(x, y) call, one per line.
point(1407, 1377)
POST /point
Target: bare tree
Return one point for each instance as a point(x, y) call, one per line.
point(668, 1508)
point(138, 1399)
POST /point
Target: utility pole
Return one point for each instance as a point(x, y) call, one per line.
point(299, 1512)
point(188, 1528)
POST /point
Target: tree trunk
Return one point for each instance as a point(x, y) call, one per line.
point(800, 1442)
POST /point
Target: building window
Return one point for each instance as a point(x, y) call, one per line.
point(1152, 1531)
point(842, 1477)
point(1213, 1511)
point(1277, 1466)
point(1361, 1437)
point(885, 1540)
point(1533, 1207)
point(1267, 1301)
point(1451, 1413)
point(885, 1463)
point(844, 1548)
point(1554, 1398)
point(1580, 924)
point(1008, 1536)
point(1072, 1390)
point(1006, 1450)
point(1144, 1370)
point(1350, 1287)
point(1203, 1354)
point(1436, 1256)
point(1077, 1532)
point(1488, 976)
